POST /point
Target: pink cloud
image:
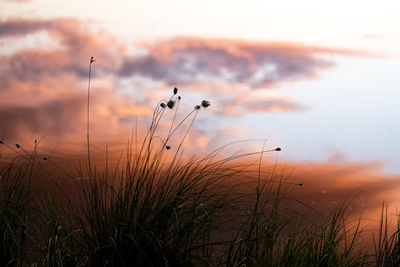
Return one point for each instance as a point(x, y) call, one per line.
point(79, 43)
point(183, 60)
point(39, 86)
point(15, 27)
point(257, 64)
point(240, 105)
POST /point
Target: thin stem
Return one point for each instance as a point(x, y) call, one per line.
point(88, 117)
point(173, 120)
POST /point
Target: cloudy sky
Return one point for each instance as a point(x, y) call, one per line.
point(318, 79)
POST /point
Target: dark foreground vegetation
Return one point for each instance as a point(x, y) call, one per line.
point(155, 208)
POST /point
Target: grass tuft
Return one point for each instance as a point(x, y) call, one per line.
point(155, 208)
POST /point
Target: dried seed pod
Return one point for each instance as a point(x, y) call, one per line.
point(205, 103)
point(171, 104)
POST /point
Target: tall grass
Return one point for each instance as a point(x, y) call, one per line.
point(387, 245)
point(15, 193)
point(157, 208)
point(13, 221)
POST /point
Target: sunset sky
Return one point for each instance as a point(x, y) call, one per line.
point(319, 79)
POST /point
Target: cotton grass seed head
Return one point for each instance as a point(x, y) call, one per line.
point(17, 145)
point(278, 149)
point(163, 105)
point(197, 107)
point(171, 104)
point(175, 91)
point(205, 103)
point(179, 97)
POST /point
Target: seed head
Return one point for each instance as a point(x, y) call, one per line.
point(205, 103)
point(175, 91)
point(17, 145)
point(168, 147)
point(163, 105)
point(92, 59)
point(197, 107)
point(179, 97)
point(171, 104)
point(278, 149)
point(45, 158)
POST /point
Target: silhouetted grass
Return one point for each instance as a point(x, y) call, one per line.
point(154, 208)
point(15, 181)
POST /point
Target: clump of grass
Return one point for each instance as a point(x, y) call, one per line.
point(150, 212)
point(154, 208)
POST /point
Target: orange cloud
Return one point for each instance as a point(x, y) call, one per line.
point(328, 184)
